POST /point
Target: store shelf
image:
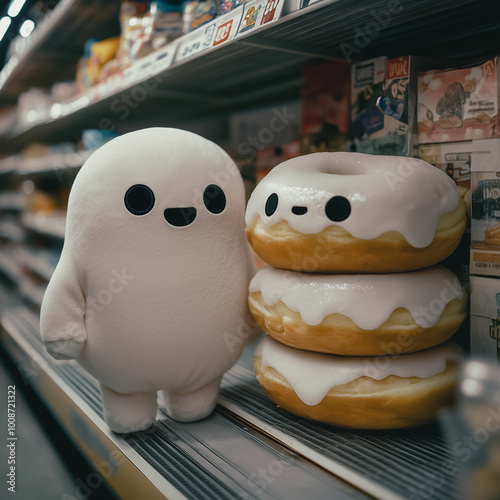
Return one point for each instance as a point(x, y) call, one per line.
point(217, 458)
point(56, 163)
point(13, 202)
point(57, 44)
point(53, 224)
point(205, 459)
point(39, 263)
point(266, 64)
point(9, 230)
point(9, 266)
point(31, 292)
point(8, 164)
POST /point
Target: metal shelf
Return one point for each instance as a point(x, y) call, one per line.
point(217, 458)
point(266, 64)
point(53, 225)
point(247, 432)
point(57, 44)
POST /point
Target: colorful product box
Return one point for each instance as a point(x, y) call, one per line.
point(383, 113)
point(268, 158)
point(255, 130)
point(367, 121)
point(459, 104)
point(485, 219)
point(455, 159)
point(485, 318)
point(325, 106)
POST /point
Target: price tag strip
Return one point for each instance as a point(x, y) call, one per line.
point(227, 26)
point(150, 65)
point(259, 13)
point(199, 40)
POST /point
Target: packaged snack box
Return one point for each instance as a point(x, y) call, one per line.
point(460, 104)
point(485, 318)
point(485, 221)
point(325, 106)
point(455, 159)
point(383, 112)
point(367, 121)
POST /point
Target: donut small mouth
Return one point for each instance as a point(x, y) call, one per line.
point(180, 217)
point(297, 210)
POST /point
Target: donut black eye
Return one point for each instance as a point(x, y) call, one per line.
point(338, 208)
point(139, 199)
point(214, 199)
point(271, 204)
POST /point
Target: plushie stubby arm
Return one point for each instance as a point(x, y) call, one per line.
point(62, 323)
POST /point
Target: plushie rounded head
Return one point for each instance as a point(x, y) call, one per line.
point(158, 178)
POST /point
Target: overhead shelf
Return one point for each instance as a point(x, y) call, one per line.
point(265, 64)
point(56, 45)
point(53, 225)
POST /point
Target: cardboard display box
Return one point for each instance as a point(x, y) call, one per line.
point(485, 318)
point(384, 104)
point(485, 220)
point(268, 158)
point(455, 159)
point(325, 106)
point(460, 104)
point(367, 121)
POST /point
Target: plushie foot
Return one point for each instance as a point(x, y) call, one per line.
point(128, 412)
point(193, 405)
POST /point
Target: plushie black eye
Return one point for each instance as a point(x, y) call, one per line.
point(338, 208)
point(139, 199)
point(271, 204)
point(214, 199)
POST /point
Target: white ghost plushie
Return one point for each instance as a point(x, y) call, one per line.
point(150, 293)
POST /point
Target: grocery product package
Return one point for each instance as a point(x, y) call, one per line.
point(459, 104)
point(485, 222)
point(325, 106)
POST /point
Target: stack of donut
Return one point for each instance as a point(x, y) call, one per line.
point(357, 312)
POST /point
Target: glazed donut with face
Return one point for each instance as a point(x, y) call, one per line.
point(381, 392)
point(355, 213)
point(358, 315)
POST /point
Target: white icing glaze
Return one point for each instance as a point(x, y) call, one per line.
point(386, 193)
point(368, 299)
point(312, 375)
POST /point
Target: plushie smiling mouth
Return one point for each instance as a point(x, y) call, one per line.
point(180, 217)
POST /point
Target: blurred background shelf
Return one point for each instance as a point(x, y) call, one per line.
point(56, 45)
point(266, 64)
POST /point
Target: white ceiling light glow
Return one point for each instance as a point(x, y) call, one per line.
point(15, 7)
point(4, 25)
point(26, 28)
